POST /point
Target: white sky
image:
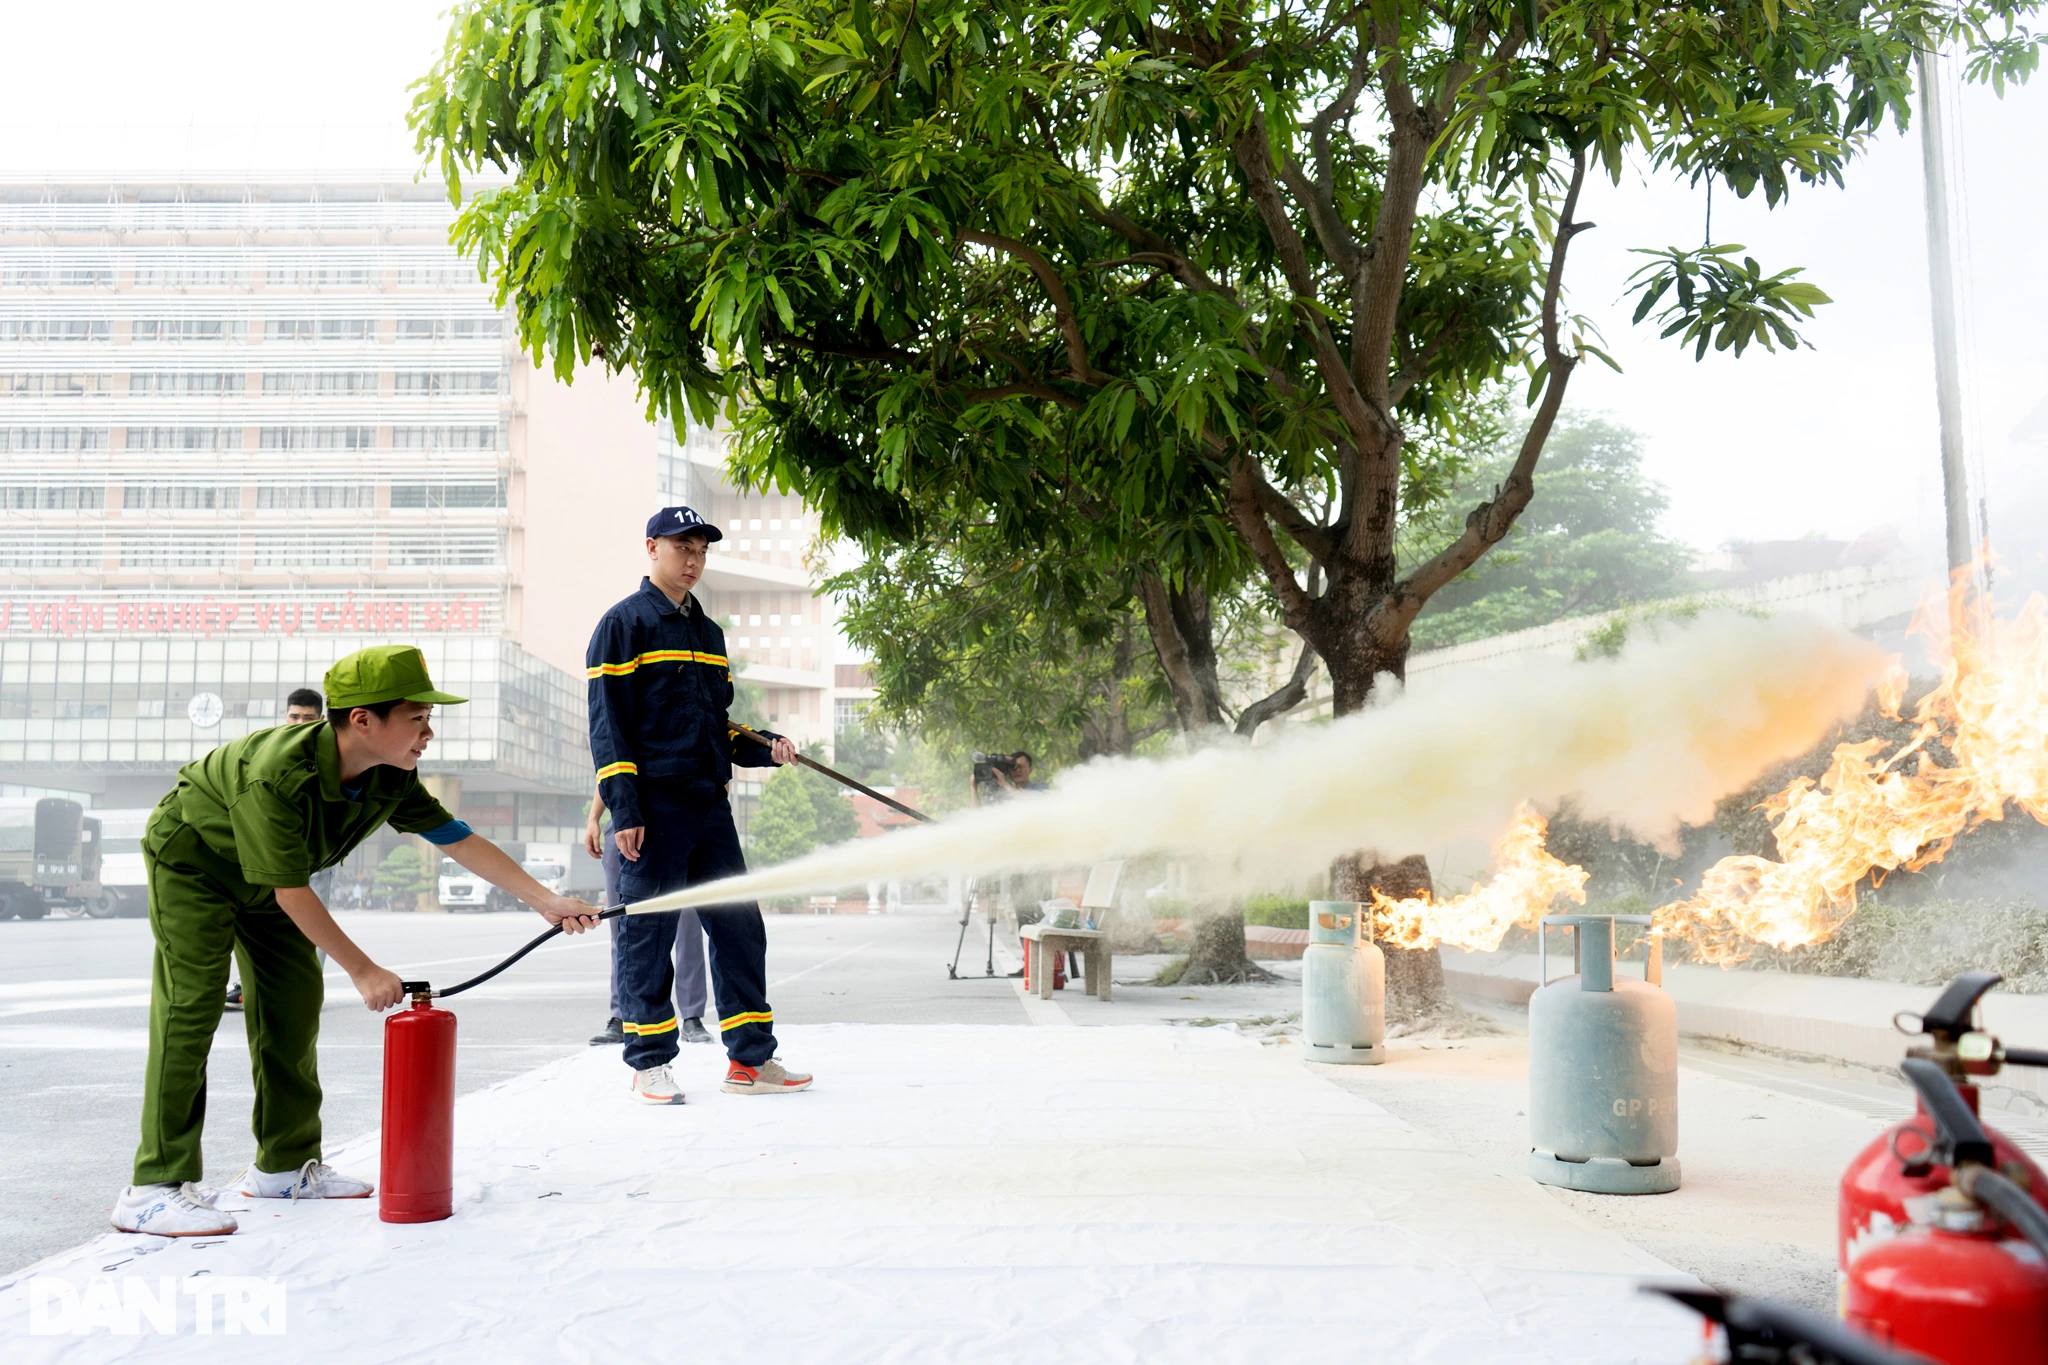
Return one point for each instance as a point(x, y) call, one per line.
point(1835, 441)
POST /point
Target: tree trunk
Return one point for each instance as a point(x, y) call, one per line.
point(1216, 954)
point(1178, 619)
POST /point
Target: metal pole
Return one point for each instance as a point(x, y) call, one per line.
point(1948, 383)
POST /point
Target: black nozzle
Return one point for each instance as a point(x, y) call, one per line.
point(1948, 1018)
point(2025, 1056)
point(1958, 1137)
point(1759, 1329)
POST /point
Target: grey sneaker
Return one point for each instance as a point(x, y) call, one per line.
point(614, 1032)
point(656, 1086)
point(769, 1078)
point(695, 1032)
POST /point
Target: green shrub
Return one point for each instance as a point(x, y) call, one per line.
point(1276, 912)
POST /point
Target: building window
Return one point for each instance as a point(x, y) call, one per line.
point(187, 275)
point(317, 438)
point(348, 329)
point(315, 496)
point(184, 438)
point(318, 275)
point(438, 275)
point(437, 495)
point(444, 438)
point(297, 550)
point(848, 715)
point(177, 552)
point(449, 329)
point(218, 381)
point(53, 438)
point(51, 497)
point(184, 329)
point(446, 549)
point(54, 329)
point(80, 551)
point(445, 381)
point(322, 381)
point(56, 385)
point(181, 497)
point(288, 329)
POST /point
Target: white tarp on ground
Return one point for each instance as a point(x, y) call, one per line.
point(945, 1193)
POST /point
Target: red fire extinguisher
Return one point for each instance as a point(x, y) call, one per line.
point(1902, 1165)
point(416, 1177)
point(1967, 1282)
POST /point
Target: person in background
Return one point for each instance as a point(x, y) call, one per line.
point(303, 707)
point(691, 993)
point(660, 687)
point(230, 854)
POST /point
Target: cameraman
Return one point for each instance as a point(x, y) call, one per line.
point(1018, 778)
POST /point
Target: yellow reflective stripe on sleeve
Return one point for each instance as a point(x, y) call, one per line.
point(657, 656)
point(731, 1022)
point(667, 1025)
point(616, 769)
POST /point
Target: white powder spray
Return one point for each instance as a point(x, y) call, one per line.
point(1648, 740)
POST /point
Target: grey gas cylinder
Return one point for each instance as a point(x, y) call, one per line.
point(1343, 987)
point(1603, 1068)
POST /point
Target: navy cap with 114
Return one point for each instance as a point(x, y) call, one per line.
point(681, 521)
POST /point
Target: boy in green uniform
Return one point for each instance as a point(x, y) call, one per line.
point(229, 853)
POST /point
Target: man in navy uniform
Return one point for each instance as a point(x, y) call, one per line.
point(660, 687)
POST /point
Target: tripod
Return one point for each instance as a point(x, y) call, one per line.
point(966, 914)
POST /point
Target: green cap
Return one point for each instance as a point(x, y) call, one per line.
point(382, 673)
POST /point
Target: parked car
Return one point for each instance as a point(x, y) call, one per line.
point(48, 855)
point(461, 889)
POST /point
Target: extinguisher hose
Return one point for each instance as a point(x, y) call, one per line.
point(538, 939)
point(2009, 1202)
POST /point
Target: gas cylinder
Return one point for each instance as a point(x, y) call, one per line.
point(1343, 987)
point(1900, 1164)
point(1603, 1068)
point(416, 1176)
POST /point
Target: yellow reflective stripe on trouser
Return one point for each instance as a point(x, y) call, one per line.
point(667, 1025)
point(614, 769)
point(731, 1022)
point(657, 656)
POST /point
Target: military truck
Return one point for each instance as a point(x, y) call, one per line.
point(49, 856)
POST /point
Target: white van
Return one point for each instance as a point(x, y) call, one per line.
point(123, 881)
point(461, 889)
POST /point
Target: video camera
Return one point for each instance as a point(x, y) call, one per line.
point(985, 768)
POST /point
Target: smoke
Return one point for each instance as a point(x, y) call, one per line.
point(1645, 741)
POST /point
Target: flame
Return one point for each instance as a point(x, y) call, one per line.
point(1872, 812)
point(1522, 882)
point(1979, 741)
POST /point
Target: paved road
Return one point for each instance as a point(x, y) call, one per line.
point(74, 997)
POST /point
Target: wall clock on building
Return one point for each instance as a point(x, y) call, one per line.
point(205, 710)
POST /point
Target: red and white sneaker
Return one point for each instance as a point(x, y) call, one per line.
point(656, 1085)
point(769, 1078)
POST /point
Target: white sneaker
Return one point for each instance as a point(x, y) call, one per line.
point(171, 1210)
point(314, 1180)
point(656, 1086)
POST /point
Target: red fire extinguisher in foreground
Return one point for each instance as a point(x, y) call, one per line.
point(1901, 1165)
point(416, 1176)
point(1967, 1282)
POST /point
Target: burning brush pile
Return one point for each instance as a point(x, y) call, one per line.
point(1961, 755)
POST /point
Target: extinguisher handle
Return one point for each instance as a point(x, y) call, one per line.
point(1956, 1130)
point(1949, 1016)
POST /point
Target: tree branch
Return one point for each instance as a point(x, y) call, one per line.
point(1282, 701)
point(885, 355)
point(1062, 305)
point(1488, 523)
point(1376, 293)
point(1187, 690)
point(1025, 389)
point(1296, 606)
point(1150, 243)
point(1278, 506)
point(1412, 373)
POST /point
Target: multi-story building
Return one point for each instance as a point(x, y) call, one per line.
point(248, 427)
